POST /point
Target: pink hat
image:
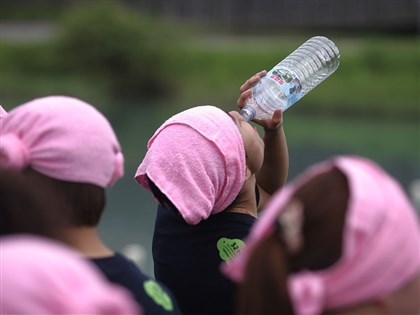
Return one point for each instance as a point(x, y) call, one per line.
point(40, 276)
point(63, 138)
point(381, 240)
point(3, 113)
point(197, 159)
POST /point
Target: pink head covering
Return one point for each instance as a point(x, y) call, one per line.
point(381, 241)
point(3, 113)
point(63, 138)
point(197, 159)
point(40, 276)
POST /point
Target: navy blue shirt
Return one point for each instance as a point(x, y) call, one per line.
point(187, 259)
point(153, 297)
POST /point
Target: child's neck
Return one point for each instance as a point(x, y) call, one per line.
point(242, 210)
point(87, 241)
point(246, 201)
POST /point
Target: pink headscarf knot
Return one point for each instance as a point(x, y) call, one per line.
point(308, 293)
point(13, 152)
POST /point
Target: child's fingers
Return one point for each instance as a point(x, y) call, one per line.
point(242, 98)
point(262, 73)
point(251, 81)
point(277, 116)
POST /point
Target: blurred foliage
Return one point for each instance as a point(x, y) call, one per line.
point(108, 54)
point(378, 75)
point(124, 51)
point(31, 10)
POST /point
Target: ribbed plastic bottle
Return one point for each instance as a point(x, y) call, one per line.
point(292, 78)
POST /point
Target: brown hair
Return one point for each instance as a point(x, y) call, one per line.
point(264, 289)
point(325, 198)
point(81, 204)
point(26, 209)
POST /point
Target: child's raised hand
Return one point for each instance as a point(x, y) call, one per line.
point(276, 120)
point(245, 89)
point(274, 123)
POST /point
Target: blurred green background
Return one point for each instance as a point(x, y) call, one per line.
point(141, 61)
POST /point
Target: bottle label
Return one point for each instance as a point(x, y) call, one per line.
point(290, 85)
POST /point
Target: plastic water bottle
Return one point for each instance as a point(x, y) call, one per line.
point(292, 78)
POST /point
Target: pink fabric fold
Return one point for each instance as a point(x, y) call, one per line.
point(3, 112)
point(41, 276)
point(381, 240)
point(197, 159)
point(63, 138)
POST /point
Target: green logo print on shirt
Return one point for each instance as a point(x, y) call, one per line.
point(229, 248)
point(158, 295)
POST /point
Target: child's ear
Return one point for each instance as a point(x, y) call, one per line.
point(248, 173)
point(291, 220)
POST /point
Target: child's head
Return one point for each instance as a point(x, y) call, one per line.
point(275, 255)
point(197, 160)
point(351, 237)
point(46, 277)
point(65, 144)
